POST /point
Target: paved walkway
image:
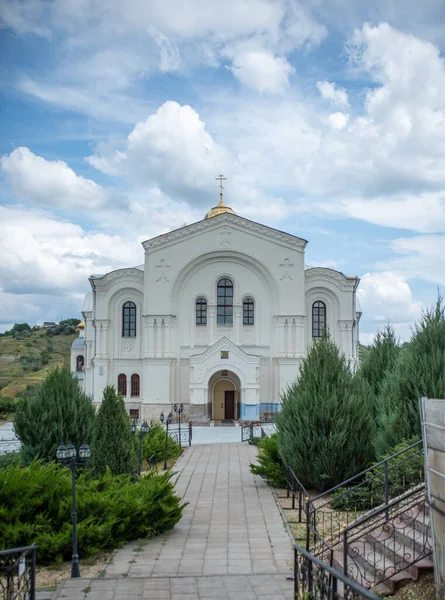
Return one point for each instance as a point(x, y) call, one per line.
point(230, 543)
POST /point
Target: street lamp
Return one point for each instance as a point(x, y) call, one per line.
point(167, 423)
point(68, 456)
point(142, 433)
point(178, 410)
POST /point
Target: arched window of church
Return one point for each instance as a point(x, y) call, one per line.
point(135, 385)
point(80, 362)
point(129, 319)
point(122, 384)
point(201, 311)
point(224, 315)
point(248, 311)
point(318, 319)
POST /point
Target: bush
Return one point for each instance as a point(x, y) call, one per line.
point(380, 358)
point(154, 444)
point(59, 412)
point(35, 506)
point(326, 425)
point(419, 371)
point(113, 445)
point(269, 465)
point(7, 406)
point(403, 472)
point(10, 459)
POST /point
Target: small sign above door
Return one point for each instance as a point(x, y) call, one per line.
point(224, 354)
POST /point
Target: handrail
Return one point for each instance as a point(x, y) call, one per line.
point(384, 508)
point(20, 549)
point(307, 580)
point(376, 465)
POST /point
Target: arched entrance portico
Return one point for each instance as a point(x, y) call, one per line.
point(224, 396)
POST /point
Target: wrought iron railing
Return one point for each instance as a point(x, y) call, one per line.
point(269, 411)
point(18, 573)
point(315, 580)
point(297, 494)
point(181, 434)
point(387, 541)
point(331, 512)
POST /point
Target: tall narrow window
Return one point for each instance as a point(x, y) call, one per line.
point(122, 384)
point(135, 385)
point(129, 319)
point(201, 311)
point(248, 311)
point(80, 362)
point(224, 315)
point(318, 319)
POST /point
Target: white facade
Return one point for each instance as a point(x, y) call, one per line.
point(217, 370)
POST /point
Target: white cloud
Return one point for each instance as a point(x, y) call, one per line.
point(24, 17)
point(173, 149)
point(168, 52)
point(261, 71)
point(338, 120)
point(336, 95)
point(419, 257)
point(49, 183)
point(386, 297)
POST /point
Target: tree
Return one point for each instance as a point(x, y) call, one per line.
point(326, 425)
point(380, 359)
point(59, 412)
point(419, 371)
point(113, 445)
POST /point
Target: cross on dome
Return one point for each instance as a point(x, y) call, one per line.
point(221, 208)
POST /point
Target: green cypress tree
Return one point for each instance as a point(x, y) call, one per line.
point(113, 446)
point(59, 412)
point(419, 371)
point(326, 425)
point(380, 358)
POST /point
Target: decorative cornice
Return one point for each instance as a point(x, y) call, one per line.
point(106, 282)
point(184, 362)
point(122, 362)
point(286, 360)
point(219, 222)
point(319, 274)
point(224, 344)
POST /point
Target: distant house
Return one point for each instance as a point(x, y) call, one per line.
point(46, 324)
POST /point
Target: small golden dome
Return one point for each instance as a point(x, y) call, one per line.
point(81, 325)
point(217, 210)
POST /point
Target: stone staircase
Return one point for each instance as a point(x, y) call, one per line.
point(383, 553)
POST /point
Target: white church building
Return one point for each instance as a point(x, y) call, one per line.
point(218, 317)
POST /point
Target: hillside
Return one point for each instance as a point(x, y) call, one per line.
point(26, 361)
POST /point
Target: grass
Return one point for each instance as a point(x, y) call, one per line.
point(15, 375)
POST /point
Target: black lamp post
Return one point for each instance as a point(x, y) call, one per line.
point(67, 455)
point(167, 423)
point(142, 433)
point(178, 410)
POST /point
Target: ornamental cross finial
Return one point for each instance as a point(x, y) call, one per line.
point(220, 178)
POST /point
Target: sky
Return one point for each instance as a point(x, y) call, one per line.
point(327, 117)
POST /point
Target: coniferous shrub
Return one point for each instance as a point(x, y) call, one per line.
point(419, 371)
point(113, 445)
point(326, 425)
point(35, 506)
point(153, 444)
point(380, 359)
point(269, 465)
point(59, 412)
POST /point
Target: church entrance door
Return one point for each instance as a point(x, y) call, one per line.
point(229, 404)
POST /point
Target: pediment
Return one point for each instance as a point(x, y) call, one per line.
point(221, 345)
point(342, 281)
point(106, 282)
point(231, 222)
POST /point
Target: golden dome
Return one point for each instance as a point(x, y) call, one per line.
point(81, 325)
point(217, 210)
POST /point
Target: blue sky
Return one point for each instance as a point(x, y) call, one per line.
point(327, 117)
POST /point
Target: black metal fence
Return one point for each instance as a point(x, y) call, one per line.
point(298, 494)
point(331, 512)
point(181, 434)
point(315, 580)
point(18, 573)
